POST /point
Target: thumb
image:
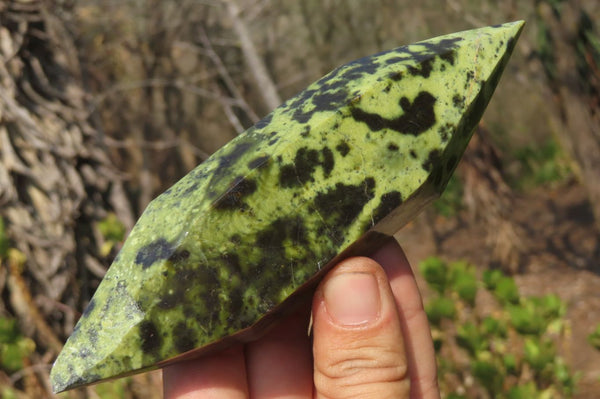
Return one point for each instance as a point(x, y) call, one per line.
point(358, 346)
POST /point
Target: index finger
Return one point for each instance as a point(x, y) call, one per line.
point(415, 326)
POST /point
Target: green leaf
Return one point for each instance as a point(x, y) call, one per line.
point(435, 272)
point(491, 278)
point(594, 338)
point(510, 363)
point(12, 355)
point(9, 331)
point(506, 290)
point(526, 391)
point(489, 375)
point(440, 308)
point(539, 354)
point(526, 320)
point(469, 338)
point(111, 228)
point(550, 306)
point(464, 281)
point(8, 393)
point(493, 327)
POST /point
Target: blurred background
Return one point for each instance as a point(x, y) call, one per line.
point(104, 104)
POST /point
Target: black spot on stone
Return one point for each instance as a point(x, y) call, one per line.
point(287, 176)
point(207, 277)
point(236, 152)
point(236, 239)
point(394, 60)
point(341, 205)
point(442, 47)
point(151, 340)
point(446, 131)
point(264, 121)
point(449, 56)
point(328, 161)
point(418, 116)
point(470, 77)
point(185, 338)
point(89, 309)
point(93, 336)
point(395, 76)
point(179, 256)
point(227, 161)
point(305, 132)
point(359, 68)
point(235, 307)
point(432, 159)
point(190, 189)
point(389, 202)
point(234, 197)
point(393, 147)
point(258, 162)
point(343, 148)
point(413, 154)
point(232, 261)
point(280, 231)
point(305, 163)
point(157, 250)
point(458, 101)
point(404, 104)
point(423, 69)
point(171, 300)
point(84, 353)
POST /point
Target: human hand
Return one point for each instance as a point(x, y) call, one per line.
point(371, 339)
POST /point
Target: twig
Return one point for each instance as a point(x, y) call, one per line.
point(259, 72)
point(224, 74)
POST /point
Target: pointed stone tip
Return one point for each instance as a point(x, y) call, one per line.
point(516, 27)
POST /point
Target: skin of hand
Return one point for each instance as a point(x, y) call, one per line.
point(370, 339)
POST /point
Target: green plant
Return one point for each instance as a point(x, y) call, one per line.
point(435, 272)
point(440, 308)
point(594, 338)
point(113, 232)
point(543, 164)
point(511, 353)
point(14, 347)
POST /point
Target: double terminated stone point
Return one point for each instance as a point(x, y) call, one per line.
point(333, 172)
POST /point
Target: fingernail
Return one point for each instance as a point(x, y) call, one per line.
point(352, 298)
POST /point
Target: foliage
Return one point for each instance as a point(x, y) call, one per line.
point(594, 338)
point(510, 350)
point(113, 232)
point(14, 347)
point(543, 164)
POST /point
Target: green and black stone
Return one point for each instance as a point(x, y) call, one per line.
point(349, 160)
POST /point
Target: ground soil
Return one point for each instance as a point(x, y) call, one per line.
point(560, 255)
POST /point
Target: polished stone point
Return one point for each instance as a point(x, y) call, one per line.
point(333, 172)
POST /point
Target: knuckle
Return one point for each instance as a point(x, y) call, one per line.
point(369, 369)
